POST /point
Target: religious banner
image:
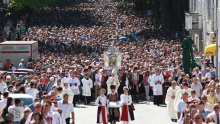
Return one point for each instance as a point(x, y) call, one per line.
point(112, 58)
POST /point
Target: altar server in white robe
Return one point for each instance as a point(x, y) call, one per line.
point(86, 89)
point(170, 98)
point(157, 81)
point(74, 86)
point(112, 80)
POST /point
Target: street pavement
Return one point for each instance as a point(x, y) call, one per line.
point(145, 113)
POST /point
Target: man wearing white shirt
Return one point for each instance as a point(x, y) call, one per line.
point(215, 114)
point(17, 110)
point(184, 88)
point(32, 90)
point(21, 64)
point(66, 109)
point(197, 86)
point(181, 106)
point(74, 86)
point(157, 81)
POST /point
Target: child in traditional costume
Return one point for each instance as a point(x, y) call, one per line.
point(114, 113)
point(101, 101)
point(126, 107)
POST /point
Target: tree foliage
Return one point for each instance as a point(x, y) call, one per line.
point(172, 12)
point(19, 4)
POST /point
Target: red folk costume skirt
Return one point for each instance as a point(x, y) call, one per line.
point(103, 112)
point(124, 114)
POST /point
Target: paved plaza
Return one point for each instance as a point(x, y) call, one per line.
point(145, 113)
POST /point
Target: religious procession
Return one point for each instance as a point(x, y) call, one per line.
point(103, 62)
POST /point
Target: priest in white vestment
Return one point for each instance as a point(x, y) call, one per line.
point(112, 80)
point(170, 99)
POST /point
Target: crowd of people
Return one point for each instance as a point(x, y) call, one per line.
point(70, 69)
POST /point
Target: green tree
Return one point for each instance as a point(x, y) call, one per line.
point(172, 12)
point(19, 4)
